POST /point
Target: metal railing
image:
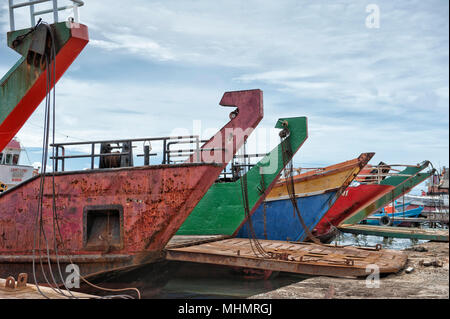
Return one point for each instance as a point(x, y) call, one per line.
point(121, 153)
point(173, 155)
point(125, 148)
point(33, 14)
point(239, 163)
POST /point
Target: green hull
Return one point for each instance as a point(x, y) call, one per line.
point(22, 76)
point(402, 184)
point(221, 210)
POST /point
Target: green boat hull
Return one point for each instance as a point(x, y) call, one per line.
point(221, 210)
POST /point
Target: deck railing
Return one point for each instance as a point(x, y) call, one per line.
point(33, 13)
point(175, 150)
point(123, 149)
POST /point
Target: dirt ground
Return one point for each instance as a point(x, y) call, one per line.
point(428, 279)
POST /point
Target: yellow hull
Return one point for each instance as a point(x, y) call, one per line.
point(322, 180)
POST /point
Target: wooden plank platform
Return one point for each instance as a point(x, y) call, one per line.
point(293, 257)
point(397, 232)
point(31, 292)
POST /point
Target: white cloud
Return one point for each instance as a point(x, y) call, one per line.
point(383, 90)
point(135, 45)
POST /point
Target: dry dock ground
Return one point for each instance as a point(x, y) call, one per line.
point(428, 279)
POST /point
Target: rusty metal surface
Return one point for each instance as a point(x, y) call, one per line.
point(232, 136)
point(149, 198)
point(293, 257)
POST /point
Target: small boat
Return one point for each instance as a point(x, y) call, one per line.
point(315, 192)
point(391, 208)
point(435, 200)
point(430, 202)
point(221, 210)
point(388, 219)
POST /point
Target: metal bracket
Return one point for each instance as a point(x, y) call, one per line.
point(39, 40)
point(22, 280)
point(10, 283)
point(39, 48)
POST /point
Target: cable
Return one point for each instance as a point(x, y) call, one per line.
point(256, 246)
point(50, 109)
point(287, 155)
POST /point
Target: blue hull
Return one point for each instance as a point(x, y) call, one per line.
point(412, 213)
point(281, 220)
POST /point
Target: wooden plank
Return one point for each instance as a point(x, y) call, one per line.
point(397, 232)
point(31, 292)
point(300, 258)
point(188, 240)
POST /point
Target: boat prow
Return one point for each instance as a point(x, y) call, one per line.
point(117, 217)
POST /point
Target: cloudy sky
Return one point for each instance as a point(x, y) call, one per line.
point(153, 67)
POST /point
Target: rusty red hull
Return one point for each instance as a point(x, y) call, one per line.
point(150, 203)
point(352, 200)
point(123, 217)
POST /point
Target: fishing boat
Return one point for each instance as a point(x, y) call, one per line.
point(364, 198)
point(393, 207)
point(11, 172)
point(435, 200)
point(221, 210)
point(315, 192)
point(430, 202)
point(388, 219)
point(402, 182)
point(113, 216)
point(116, 217)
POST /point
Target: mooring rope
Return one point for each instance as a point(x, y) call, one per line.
point(50, 108)
point(255, 244)
point(287, 155)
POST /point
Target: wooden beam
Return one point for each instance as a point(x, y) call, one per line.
point(397, 232)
